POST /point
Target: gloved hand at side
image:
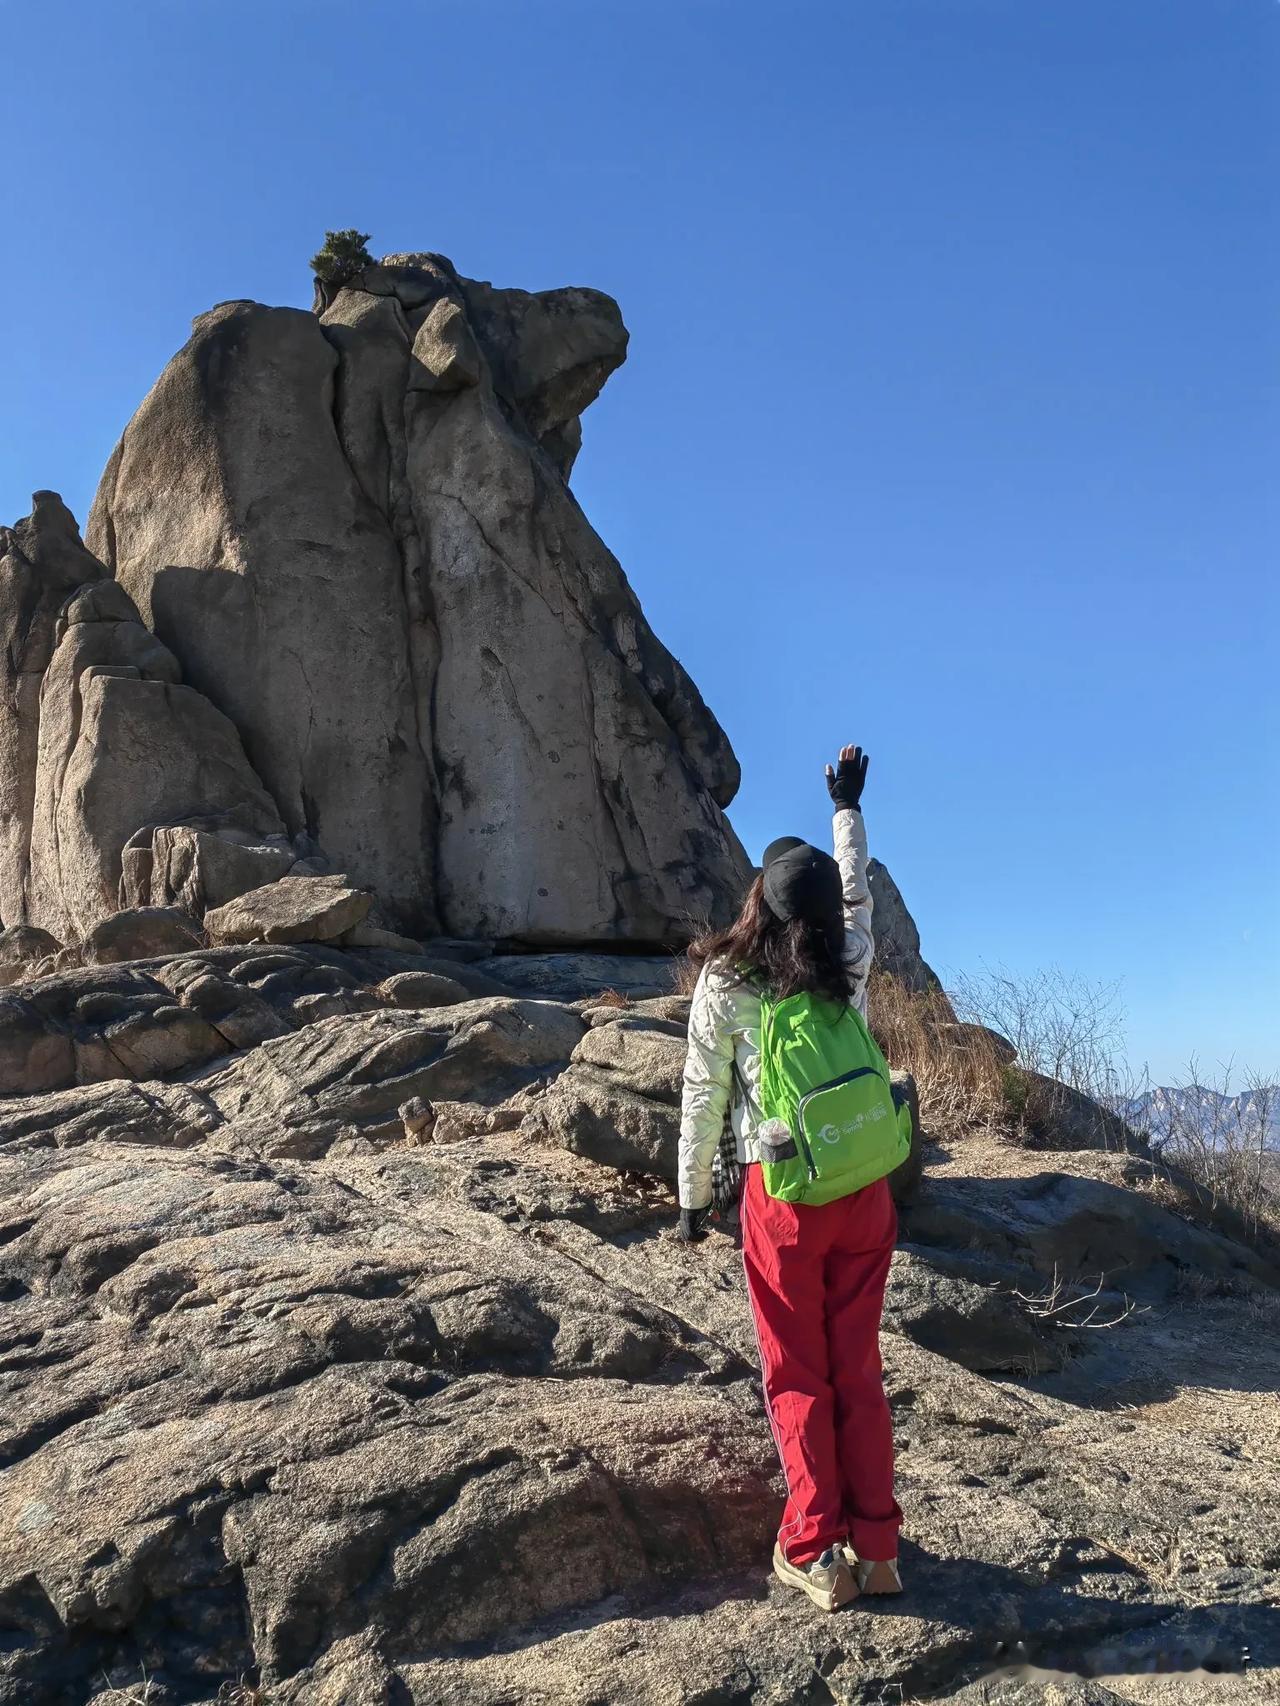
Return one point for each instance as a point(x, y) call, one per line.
point(693, 1223)
point(846, 782)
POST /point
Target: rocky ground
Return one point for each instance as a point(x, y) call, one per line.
point(348, 1359)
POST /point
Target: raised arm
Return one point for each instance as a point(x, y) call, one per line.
point(849, 833)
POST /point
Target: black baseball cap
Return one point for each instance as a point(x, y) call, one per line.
point(801, 881)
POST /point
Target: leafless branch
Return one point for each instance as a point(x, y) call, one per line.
point(1056, 1305)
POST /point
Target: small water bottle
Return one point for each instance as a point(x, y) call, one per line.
point(776, 1142)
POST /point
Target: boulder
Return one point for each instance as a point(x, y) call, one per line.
point(199, 868)
point(140, 933)
point(1082, 1231)
point(292, 909)
point(595, 1115)
point(979, 1040)
point(445, 356)
point(905, 1178)
point(308, 584)
point(35, 1055)
point(619, 1101)
point(641, 1054)
point(428, 556)
point(1057, 1116)
point(673, 1008)
point(423, 989)
point(102, 1022)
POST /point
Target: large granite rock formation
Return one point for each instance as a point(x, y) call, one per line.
point(355, 534)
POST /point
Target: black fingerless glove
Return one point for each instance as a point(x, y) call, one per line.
point(693, 1223)
point(846, 785)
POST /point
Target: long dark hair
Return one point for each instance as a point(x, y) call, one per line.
point(790, 957)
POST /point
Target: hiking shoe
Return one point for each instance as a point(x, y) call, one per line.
point(873, 1575)
point(828, 1580)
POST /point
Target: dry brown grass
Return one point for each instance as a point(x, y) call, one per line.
point(241, 1693)
point(684, 975)
point(961, 1078)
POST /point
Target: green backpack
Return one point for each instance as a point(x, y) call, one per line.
point(823, 1079)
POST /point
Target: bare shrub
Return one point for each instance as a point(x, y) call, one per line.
point(1078, 1307)
point(1063, 1027)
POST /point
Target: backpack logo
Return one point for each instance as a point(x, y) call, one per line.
point(833, 1133)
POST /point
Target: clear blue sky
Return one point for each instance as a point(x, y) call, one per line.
point(949, 412)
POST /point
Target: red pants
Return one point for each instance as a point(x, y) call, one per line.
point(816, 1279)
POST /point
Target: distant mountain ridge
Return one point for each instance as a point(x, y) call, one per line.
point(1170, 1113)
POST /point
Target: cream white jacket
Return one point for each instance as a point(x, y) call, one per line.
point(724, 1030)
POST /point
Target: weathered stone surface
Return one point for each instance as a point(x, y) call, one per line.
point(344, 1079)
point(429, 557)
point(276, 1417)
point(321, 1426)
point(969, 1311)
point(445, 356)
point(293, 909)
point(1083, 1230)
point(368, 935)
point(115, 1110)
point(574, 977)
point(673, 1008)
point(140, 933)
point(258, 1386)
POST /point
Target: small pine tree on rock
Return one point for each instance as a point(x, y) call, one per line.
point(344, 255)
